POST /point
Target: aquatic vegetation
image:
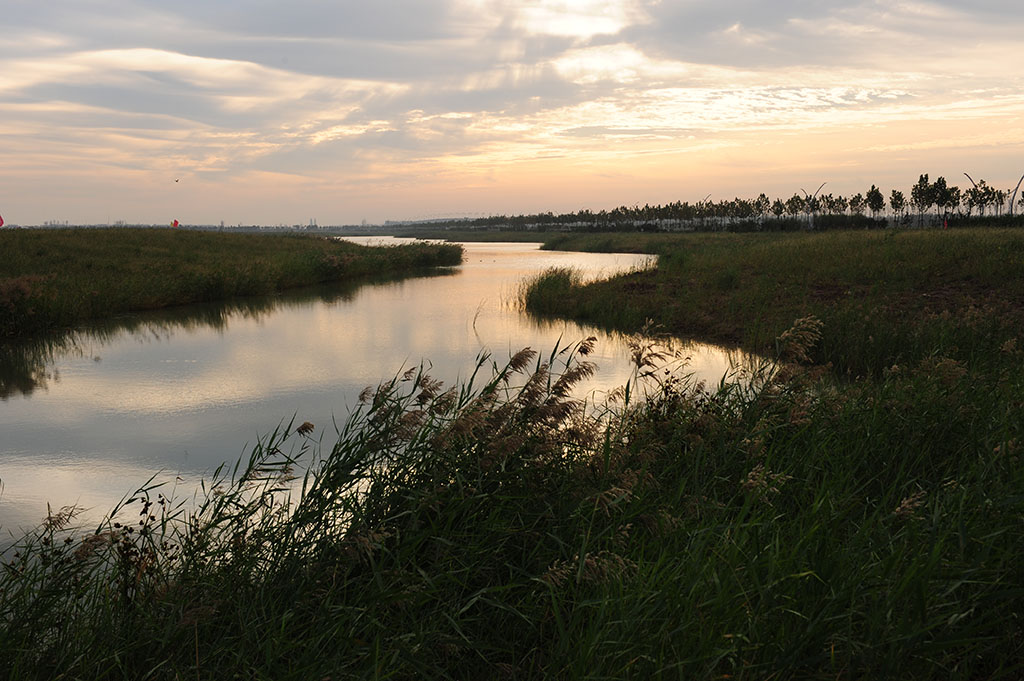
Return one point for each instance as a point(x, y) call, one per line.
point(884, 297)
point(791, 525)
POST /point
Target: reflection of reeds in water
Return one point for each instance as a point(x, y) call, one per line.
point(26, 367)
point(26, 363)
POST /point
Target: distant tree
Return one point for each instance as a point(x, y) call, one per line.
point(939, 195)
point(998, 200)
point(741, 209)
point(921, 196)
point(973, 198)
point(876, 202)
point(857, 204)
point(988, 195)
point(761, 205)
point(982, 196)
point(898, 203)
point(828, 204)
point(795, 205)
point(953, 199)
point(841, 204)
point(778, 207)
point(812, 204)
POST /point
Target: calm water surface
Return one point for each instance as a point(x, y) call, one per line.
point(180, 392)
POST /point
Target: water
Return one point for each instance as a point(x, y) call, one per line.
point(87, 418)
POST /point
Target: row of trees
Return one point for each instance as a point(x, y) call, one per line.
point(928, 202)
point(949, 200)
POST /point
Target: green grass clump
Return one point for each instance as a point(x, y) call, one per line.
point(56, 278)
point(784, 527)
point(543, 292)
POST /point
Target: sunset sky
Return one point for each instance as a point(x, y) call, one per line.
point(275, 112)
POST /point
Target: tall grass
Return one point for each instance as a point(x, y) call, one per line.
point(57, 278)
point(886, 297)
point(783, 527)
point(542, 292)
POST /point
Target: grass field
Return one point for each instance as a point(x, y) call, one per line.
point(853, 509)
point(55, 278)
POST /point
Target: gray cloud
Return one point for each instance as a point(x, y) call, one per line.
point(755, 34)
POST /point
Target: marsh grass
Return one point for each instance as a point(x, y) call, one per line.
point(56, 278)
point(789, 526)
point(885, 297)
point(544, 291)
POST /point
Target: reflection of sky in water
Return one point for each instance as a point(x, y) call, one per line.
point(185, 400)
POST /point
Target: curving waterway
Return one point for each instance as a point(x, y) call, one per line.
point(92, 415)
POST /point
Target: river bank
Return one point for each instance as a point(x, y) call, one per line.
point(885, 297)
point(55, 278)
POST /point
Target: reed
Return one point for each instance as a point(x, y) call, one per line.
point(789, 526)
point(886, 297)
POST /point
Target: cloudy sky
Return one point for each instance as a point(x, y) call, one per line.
point(340, 111)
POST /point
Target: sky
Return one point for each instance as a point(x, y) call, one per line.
point(269, 112)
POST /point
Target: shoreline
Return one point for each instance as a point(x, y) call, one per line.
point(53, 279)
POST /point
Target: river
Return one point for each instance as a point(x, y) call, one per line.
point(90, 416)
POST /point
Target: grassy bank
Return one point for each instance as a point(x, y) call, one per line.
point(885, 297)
point(809, 523)
point(56, 278)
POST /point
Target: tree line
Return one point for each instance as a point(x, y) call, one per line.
point(929, 203)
